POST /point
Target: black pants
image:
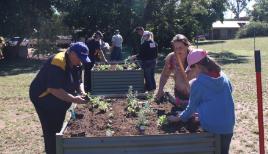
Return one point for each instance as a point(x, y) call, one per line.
point(148, 67)
point(51, 115)
point(87, 76)
point(225, 142)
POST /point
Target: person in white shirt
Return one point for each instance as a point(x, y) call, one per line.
point(117, 40)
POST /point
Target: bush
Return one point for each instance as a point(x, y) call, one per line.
point(261, 29)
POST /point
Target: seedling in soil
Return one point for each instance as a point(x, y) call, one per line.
point(103, 106)
point(110, 115)
point(162, 120)
point(109, 132)
point(150, 97)
point(132, 102)
point(95, 101)
point(142, 120)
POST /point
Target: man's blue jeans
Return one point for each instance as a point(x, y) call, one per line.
point(148, 67)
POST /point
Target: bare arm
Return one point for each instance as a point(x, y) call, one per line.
point(103, 58)
point(163, 79)
point(82, 90)
point(67, 97)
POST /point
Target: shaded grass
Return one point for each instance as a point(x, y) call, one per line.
point(19, 66)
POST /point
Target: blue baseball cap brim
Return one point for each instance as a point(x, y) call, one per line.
point(83, 58)
point(81, 50)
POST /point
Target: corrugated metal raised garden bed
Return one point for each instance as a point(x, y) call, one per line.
point(131, 126)
point(116, 79)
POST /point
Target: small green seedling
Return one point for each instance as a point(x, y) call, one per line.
point(132, 102)
point(162, 120)
point(103, 106)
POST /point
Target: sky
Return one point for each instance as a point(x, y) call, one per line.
point(229, 14)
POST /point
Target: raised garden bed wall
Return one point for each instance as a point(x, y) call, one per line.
point(116, 82)
point(192, 143)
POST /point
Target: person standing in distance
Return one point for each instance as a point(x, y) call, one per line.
point(117, 40)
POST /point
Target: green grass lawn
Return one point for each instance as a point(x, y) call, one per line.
point(20, 131)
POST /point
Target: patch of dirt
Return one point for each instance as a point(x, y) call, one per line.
point(92, 122)
point(2, 124)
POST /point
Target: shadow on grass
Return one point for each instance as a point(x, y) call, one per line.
point(227, 57)
point(19, 66)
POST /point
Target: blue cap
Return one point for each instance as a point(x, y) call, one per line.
point(81, 50)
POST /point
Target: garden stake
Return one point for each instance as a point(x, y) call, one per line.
point(259, 99)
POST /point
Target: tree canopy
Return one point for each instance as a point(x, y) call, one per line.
point(163, 17)
point(237, 6)
point(260, 11)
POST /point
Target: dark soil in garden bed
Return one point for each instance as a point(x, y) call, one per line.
point(92, 122)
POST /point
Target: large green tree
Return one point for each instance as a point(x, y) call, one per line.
point(189, 17)
point(260, 11)
point(237, 6)
point(19, 17)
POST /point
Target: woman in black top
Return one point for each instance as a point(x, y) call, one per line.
point(148, 55)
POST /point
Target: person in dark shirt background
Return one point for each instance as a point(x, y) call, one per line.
point(95, 53)
point(148, 55)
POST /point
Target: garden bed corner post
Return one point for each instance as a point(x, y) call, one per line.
point(59, 143)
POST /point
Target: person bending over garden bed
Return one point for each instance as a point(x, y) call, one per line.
point(211, 97)
point(54, 89)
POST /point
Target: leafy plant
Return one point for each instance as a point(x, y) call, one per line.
point(162, 120)
point(95, 101)
point(103, 106)
point(142, 120)
point(150, 97)
point(132, 102)
point(119, 67)
point(103, 67)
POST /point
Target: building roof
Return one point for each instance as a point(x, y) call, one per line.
point(226, 24)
